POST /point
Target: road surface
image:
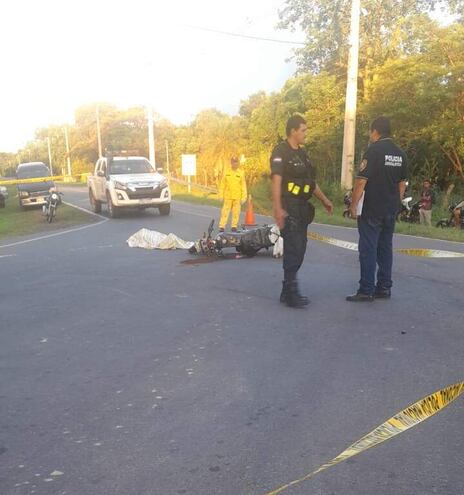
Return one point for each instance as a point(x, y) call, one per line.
point(126, 372)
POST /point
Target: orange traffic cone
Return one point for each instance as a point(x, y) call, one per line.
point(250, 220)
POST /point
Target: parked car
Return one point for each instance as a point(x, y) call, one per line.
point(33, 193)
point(128, 182)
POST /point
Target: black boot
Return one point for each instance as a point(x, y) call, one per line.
point(291, 295)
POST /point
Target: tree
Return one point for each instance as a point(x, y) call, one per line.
point(425, 99)
point(389, 28)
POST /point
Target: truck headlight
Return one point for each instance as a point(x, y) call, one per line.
point(120, 185)
point(163, 184)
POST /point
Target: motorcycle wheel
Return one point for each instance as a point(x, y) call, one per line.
point(50, 214)
point(249, 252)
point(442, 224)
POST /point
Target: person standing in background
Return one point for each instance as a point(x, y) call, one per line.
point(233, 190)
point(426, 201)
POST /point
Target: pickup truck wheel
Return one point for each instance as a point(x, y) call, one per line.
point(94, 204)
point(165, 209)
point(113, 211)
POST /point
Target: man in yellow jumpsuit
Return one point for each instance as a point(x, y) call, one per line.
point(234, 191)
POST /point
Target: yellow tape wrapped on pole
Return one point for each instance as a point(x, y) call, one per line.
point(14, 182)
point(409, 417)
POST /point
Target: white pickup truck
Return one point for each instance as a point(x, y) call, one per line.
point(128, 182)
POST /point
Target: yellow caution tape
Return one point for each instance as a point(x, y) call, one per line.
point(334, 242)
point(36, 180)
point(422, 253)
point(430, 253)
point(409, 417)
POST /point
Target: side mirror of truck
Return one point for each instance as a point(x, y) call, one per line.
point(160, 170)
point(100, 173)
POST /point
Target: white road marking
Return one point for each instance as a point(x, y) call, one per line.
point(85, 210)
point(7, 255)
point(192, 213)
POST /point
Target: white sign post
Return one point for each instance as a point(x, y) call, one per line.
point(189, 168)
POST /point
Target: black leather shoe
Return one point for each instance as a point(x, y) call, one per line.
point(291, 296)
point(221, 230)
point(360, 297)
point(233, 229)
point(382, 294)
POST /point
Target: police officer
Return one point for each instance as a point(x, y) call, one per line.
point(378, 189)
point(293, 184)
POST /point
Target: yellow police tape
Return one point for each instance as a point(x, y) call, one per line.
point(409, 417)
point(334, 242)
point(14, 182)
point(430, 253)
point(423, 253)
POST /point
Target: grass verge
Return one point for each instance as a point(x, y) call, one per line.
point(15, 222)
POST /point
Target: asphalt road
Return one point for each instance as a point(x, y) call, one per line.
point(126, 372)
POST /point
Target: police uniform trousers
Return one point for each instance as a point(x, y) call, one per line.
point(295, 235)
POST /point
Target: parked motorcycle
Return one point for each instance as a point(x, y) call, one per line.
point(52, 202)
point(450, 222)
point(409, 212)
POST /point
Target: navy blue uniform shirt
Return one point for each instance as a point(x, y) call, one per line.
point(384, 165)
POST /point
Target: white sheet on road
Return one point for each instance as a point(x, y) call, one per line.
point(151, 239)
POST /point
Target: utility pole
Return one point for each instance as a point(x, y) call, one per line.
point(99, 139)
point(68, 158)
point(151, 136)
point(50, 155)
point(167, 157)
point(351, 100)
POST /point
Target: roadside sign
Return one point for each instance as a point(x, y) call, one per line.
point(189, 165)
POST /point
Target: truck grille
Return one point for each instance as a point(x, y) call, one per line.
point(38, 193)
point(144, 192)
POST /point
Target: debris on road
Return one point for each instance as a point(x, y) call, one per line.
point(151, 239)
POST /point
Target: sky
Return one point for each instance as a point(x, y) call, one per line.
point(57, 55)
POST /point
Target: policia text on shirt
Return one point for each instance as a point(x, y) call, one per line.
point(293, 185)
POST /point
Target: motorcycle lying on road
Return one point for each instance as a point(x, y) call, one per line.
point(51, 205)
point(450, 222)
point(409, 212)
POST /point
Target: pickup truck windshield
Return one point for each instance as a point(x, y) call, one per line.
point(33, 172)
point(119, 167)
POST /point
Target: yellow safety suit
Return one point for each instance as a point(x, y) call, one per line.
point(234, 191)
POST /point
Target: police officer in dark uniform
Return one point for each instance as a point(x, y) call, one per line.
point(379, 187)
point(293, 184)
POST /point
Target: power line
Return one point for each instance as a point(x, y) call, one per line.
point(238, 35)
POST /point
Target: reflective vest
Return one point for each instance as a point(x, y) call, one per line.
point(298, 180)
